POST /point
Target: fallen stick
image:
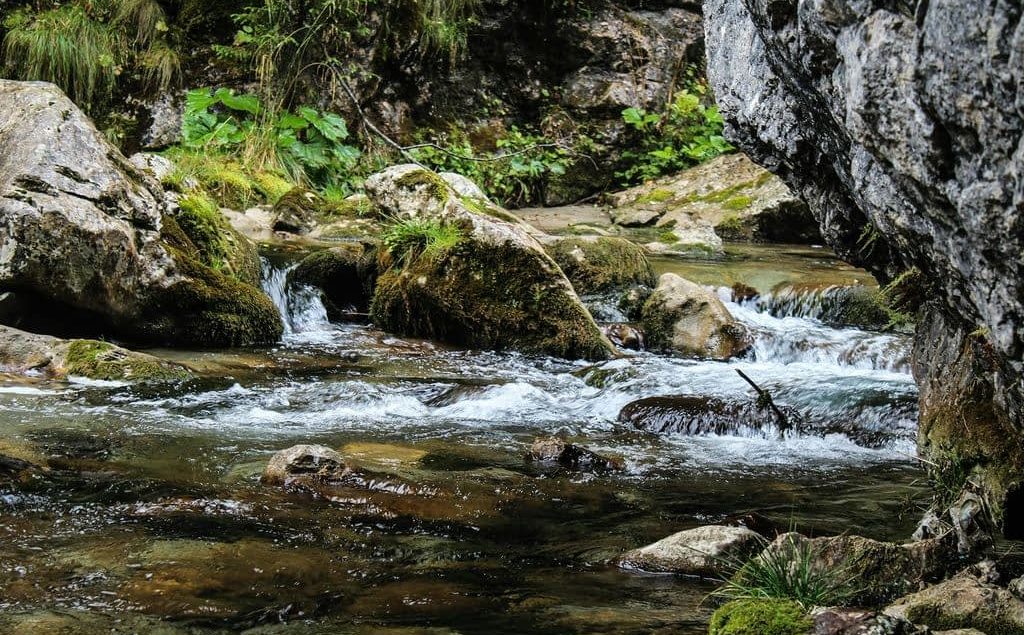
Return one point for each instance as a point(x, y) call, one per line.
point(764, 398)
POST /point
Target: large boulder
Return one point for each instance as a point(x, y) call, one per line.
point(459, 270)
point(82, 229)
point(689, 319)
point(739, 198)
point(899, 124)
point(707, 551)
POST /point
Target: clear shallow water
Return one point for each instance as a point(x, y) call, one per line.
point(153, 504)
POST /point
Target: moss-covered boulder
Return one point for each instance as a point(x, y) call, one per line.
point(296, 211)
point(963, 601)
point(877, 571)
point(690, 320)
point(57, 358)
point(87, 233)
point(218, 245)
point(475, 278)
point(760, 617)
point(598, 264)
point(345, 275)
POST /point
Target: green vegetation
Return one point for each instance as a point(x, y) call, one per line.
point(688, 132)
point(760, 617)
point(410, 238)
point(792, 570)
point(87, 46)
point(217, 244)
point(516, 173)
point(99, 360)
point(602, 264)
point(659, 195)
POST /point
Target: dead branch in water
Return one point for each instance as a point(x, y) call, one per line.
point(764, 400)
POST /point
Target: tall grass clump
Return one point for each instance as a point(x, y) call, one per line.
point(791, 570)
point(65, 46)
point(409, 238)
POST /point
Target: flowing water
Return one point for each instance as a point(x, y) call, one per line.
point(151, 517)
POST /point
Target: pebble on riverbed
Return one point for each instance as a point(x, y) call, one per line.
point(302, 460)
point(555, 451)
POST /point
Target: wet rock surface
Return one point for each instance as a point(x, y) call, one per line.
point(554, 452)
point(690, 320)
point(707, 551)
point(901, 126)
point(702, 415)
point(964, 601)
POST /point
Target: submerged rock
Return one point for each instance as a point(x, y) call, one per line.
point(487, 284)
point(689, 319)
point(598, 264)
point(23, 352)
point(82, 230)
point(555, 451)
point(702, 415)
point(705, 551)
point(303, 460)
point(963, 601)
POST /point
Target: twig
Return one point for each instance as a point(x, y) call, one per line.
point(765, 397)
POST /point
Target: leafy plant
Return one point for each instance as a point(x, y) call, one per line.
point(790, 570)
point(306, 144)
point(412, 237)
point(687, 133)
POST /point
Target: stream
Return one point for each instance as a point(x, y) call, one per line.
point(152, 517)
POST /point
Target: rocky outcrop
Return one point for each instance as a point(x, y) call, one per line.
point(739, 199)
point(82, 229)
point(899, 123)
point(690, 320)
point(465, 272)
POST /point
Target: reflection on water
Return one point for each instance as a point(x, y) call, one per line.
point(152, 509)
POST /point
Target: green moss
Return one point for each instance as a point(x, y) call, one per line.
point(217, 244)
point(938, 618)
point(482, 207)
point(729, 227)
point(100, 360)
point(206, 307)
point(487, 296)
point(667, 236)
point(760, 617)
point(345, 276)
point(272, 186)
point(435, 185)
point(595, 266)
point(659, 195)
point(738, 203)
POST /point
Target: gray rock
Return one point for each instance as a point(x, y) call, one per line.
point(697, 239)
point(81, 227)
point(844, 621)
point(690, 319)
point(899, 123)
point(707, 551)
point(154, 165)
point(739, 199)
point(56, 358)
point(165, 119)
point(963, 602)
point(557, 452)
point(305, 461)
point(1016, 587)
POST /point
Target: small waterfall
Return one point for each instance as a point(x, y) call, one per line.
point(301, 308)
point(793, 327)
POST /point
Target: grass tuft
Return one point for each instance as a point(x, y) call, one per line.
point(409, 238)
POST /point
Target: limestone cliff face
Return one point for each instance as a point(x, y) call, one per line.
point(900, 122)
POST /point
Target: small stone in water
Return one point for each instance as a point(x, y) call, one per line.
point(553, 450)
point(704, 551)
point(302, 459)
